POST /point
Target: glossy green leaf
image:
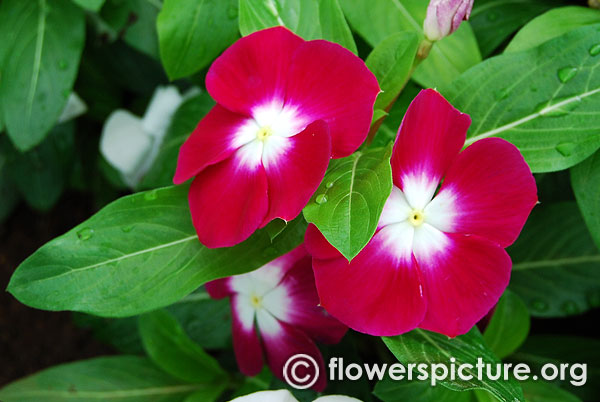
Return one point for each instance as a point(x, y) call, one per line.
point(420, 346)
point(392, 62)
point(118, 378)
point(137, 254)
point(192, 33)
point(555, 263)
point(585, 179)
point(210, 394)
point(544, 100)
point(552, 24)
point(92, 5)
point(376, 20)
point(173, 351)
point(186, 118)
point(347, 205)
point(509, 325)
point(389, 390)
point(311, 19)
point(40, 51)
point(542, 391)
point(495, 20)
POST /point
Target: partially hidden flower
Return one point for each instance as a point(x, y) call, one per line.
point(283, 395)
point(437, 260)
point(285, 106)
point(444, 17)
point(280, 300)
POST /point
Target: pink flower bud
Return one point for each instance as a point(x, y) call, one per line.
point(445, 16)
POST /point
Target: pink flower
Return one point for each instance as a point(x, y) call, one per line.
point(444, 17)
point(285, 106)
point(282, 300)
point(437, 260)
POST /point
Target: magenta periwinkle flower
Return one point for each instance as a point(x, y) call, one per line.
point(445, 16)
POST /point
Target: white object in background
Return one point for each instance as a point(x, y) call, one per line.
point(75, 107)
point(130, 143)
point(283, 395)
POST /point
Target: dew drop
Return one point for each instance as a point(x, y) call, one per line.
point(595, 50)
point(127, 229)
point(329, 184)
point(540, 305)
point(565, 74)
point(566, 148)
point(570, 307)
point(85, 233)
point(150, 195)
point(321, 199)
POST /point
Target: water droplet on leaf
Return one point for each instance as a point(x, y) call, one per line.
point(127, 229)
point(321, 199)
point(567, 73)
point(85, 233)
point(329, 184)
point(566, 148)
point(595, 50)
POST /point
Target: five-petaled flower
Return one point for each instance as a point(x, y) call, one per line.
point(437, 259)
point(281, 299)
point(285, 106)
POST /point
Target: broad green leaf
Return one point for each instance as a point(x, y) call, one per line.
point(389, 390)
point(585, 179)
point(376, 20)
point(207, 395)
point(10, 196)
point(392, 62)
point(509, 325)
point(40, 174)
point(192, 33)
point(120, 333)
point(544, 100)
point(92, 5)
point(186, 118)
point(173, 351)
point(542, 391)
point(310, 19)
point(118, 378)
point(555, 263)
point(347, 205)
point(552, 24)
point(495, 20)
point(137, 254)
point(41, 47)
point(420, 346)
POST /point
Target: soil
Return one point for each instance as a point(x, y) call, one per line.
point(30, 339)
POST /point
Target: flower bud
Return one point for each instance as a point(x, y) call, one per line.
point(445, 16)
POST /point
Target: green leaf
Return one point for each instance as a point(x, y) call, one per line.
point(509, 325)
point(544, 100)
point(552, 24)
point(555, 263)
point(347, 205)
point(389, 390)
point(495, 20)
point(41, 173)
point(92, 5)
point(192, 33)
point(173, 351)
point(137, 254)
point(310, 19)
point(376, 20)
point(121, 333)
point(585, 179)
point(39, 58)
point(420, 346)
point(542, 391)
point(10, 195)
point(184, 121)
point(392, 62)
point(118, 378)
point(207, 395)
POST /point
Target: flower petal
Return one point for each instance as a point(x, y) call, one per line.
point(228, 201)
point(216, 137)
point(462, 283)
point(281, 395)
point(254, 70)
point(379, 292)
point(219, 288)
point(282, 341)
point(303, 310)
point(291, 180)
point(489, 191)
point(246, 344)
point(328, 82)
point(430, 137)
